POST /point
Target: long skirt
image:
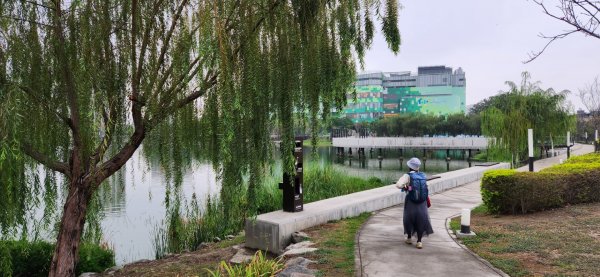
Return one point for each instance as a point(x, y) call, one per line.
point(416, 218)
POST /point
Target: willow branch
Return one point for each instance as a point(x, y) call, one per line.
point(27, 20)
point(43, 159)
point(62, 118)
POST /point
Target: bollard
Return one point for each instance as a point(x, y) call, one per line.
point(530, 147)
point(465, 221)
point(380, 158)
point(447, 163)
point(465, 225)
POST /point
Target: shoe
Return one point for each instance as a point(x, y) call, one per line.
point(419, 245)
point(408, 241)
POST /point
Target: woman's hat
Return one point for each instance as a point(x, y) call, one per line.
point(414, 163)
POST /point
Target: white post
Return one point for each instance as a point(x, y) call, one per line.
point(568, 145)
point(465, 221)
point(530, 145)
point(596, 135)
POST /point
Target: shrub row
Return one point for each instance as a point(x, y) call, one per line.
point(575, 181)
point(23, 258)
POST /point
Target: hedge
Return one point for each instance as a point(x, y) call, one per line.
point(575, 181)
point(23, 258)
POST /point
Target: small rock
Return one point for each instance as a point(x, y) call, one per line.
point(299, 237)
point(298, 274)
point(300, 261)
point(303, 244)
point(217, 239)
point(242, 256)
point(88, 274)
point(295, 270)
point(298, 251)
point(141, 261)
point(238, 246)
point(202, 246)
point(112, 270)
point(230, 237)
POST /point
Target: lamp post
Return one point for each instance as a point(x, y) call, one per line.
point(530, 145)
point(568, 145)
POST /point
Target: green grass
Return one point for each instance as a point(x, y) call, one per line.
point(336, 243)
point(320, 182)
point(560, 242)
point(321, 142)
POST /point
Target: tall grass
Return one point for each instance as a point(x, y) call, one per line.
point(320, 182)
point(192, 224)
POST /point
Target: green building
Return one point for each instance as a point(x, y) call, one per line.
point(435, 90)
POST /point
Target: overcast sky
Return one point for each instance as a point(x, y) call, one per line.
point(489, 40)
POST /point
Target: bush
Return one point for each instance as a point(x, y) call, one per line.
point(575, 181)
point(23, 258)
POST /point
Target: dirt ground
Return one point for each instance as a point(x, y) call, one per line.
point(560, 242)
point(187, 264)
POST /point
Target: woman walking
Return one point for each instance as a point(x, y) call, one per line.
point(416, 218)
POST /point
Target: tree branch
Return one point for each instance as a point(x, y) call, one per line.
point(69, 86)
point(44, 104)
point(28, 21)
point(61, 167)
point(570, 17)
point(535, 55)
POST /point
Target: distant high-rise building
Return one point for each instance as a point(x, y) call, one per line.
point(435, 90)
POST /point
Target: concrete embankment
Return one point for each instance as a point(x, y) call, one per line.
point(272, 231)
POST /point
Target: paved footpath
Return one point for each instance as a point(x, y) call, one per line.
point(381, 250)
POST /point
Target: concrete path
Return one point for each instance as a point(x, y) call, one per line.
point(381, 250)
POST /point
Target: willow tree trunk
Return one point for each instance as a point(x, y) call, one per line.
point(66, 254)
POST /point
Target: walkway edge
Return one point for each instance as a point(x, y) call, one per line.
point(464, 247)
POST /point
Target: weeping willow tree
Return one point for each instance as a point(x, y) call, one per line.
point(522, 107)
point(84, 83)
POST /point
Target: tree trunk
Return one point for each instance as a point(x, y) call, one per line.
point(66, 254)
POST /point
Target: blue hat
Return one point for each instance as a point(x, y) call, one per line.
point(414, 163)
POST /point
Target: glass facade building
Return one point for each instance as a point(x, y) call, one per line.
point(438, 90)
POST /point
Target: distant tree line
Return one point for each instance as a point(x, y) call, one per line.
point(416, 125)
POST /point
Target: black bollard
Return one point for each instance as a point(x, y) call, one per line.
point(447, 163)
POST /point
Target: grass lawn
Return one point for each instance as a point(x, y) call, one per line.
point(560, 242)
point(335, 241)
point(320, 142)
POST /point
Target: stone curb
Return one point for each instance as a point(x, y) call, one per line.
point(464, 247)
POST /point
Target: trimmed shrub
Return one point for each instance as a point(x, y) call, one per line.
point(23, 258)
point(575, 181)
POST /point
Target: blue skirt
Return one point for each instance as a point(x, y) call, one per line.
point(416, 218)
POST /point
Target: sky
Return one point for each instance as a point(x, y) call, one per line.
point(489, 40)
